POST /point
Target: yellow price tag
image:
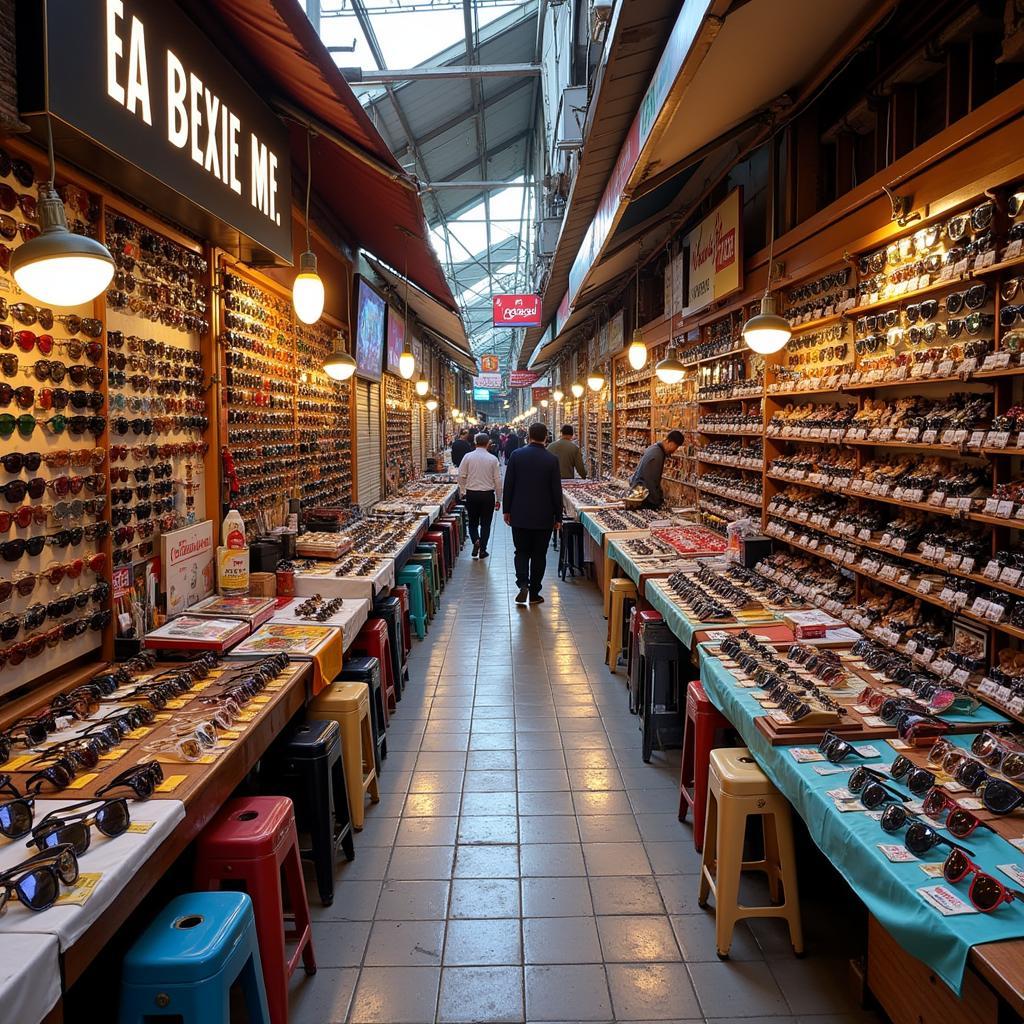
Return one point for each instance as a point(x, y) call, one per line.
point(247, 716)
point(164, 716)
point(231, 734)
point(141, 733)
point(171, 783)
point(199, 687)
point(15, 763)
point(82, 781)
point(84, 888)
point(262, 699)
point(178, 702)
point(207, 759)
point(141, 827)
point(113, 755)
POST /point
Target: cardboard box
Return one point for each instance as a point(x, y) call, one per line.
point(263, 584)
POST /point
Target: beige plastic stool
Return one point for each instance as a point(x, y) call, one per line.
point(619, 591)
point(349, 705)
point(737, 788)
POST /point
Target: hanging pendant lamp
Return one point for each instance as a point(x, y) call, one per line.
point(308, 288)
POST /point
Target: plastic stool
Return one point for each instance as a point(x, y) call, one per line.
point(401, 591)
point(182, 967)
point(570, 558)
point(414, 578)
point(390, 610)
point(307, 764)
point(367, 670)
point(455, 522)
point(349, 705)
point(638, 621)
point(250, 842)
point(372, 641)
point(426, 555)
point(438, 537)
point(621, 592)
point(451, 541)
point(701, 726)
point(737, 788)
point(661, 669)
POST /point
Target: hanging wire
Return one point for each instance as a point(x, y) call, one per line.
point(309, 182)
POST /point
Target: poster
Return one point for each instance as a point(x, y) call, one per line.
point(714, 254)
point(187, 561)
point(489, 363)
point(396, 339)
point(616, 333)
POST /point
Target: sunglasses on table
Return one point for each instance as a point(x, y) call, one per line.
point(920, 837)
point(871, 787)
point(73, 827)
point(917, 780)
point(985, 893)
point(960, 821)
point(16, 814)
point(836, 749)
point(142, 779)
point(36, 882)
point(997, 753)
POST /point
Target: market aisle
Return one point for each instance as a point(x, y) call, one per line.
point(523, 863)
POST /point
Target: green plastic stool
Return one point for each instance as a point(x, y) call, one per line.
point(426, 559)
point(415, 578)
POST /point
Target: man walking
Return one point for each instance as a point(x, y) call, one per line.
point(652, 465)
point(480, 486)
point(568, 453)
point(533, 507)
point(460, 448)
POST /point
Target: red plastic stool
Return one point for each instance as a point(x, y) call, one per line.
point(402, 593)
point(249, 842)
point(456, 522)
point(372, 642)
point(437, 537)
point(700, 730)
point(451, 529)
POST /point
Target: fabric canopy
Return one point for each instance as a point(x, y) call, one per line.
point(355, 176)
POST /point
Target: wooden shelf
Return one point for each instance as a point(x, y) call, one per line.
point(855, 312)
point(735, 398)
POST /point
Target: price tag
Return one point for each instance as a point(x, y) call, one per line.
point(960, 267)
point(929, 436)
point(998, 438)
point(1004, 509)
point(171, 783)
point(1012, 251)
point(946, 368)
point(1010, 575)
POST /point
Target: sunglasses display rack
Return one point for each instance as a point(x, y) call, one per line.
point(157, 317)
point(598, 438)
point(399, 409)
point(675, 409)
point(55, 544)
point(324, 457)
point(633, 426)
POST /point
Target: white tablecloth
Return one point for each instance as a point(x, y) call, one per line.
point(116, 859)
point(350, 618)
point(329, 585)
point(29, 977)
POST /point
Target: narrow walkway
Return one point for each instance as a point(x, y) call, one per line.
point(523, 863)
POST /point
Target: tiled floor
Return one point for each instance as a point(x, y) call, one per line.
point(523, 864)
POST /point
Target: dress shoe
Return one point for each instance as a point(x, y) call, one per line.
point(521, 596)
point(536, 599)
point(476, 548)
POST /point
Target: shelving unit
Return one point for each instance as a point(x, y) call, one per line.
point(633, 416)
point(398, 411)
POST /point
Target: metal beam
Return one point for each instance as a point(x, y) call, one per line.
point(357, 76)
point(480, 186)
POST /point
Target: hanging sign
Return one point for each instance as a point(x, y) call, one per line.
point(489, 363)
point(516, 311)
point(141, 96)
point(541, 395)
point(714, 254)
point(523, 378)
point(487, 380)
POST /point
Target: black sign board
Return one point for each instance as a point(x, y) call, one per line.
point(141, 97)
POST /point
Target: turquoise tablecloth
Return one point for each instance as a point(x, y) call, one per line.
point(850, 841)
point(623, 561)
point(595, 531)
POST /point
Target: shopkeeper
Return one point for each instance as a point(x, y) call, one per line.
point(652, 465)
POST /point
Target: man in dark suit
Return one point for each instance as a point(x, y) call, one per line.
point(533, 507)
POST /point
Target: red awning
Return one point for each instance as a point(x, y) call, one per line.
point(355, 175)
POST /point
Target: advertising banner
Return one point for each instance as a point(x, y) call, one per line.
point(488, 380)
point(489, 363)
point(523, 378)
point(715, 267)
point(187, 565)
point(516, 311)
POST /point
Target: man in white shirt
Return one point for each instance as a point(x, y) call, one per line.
point(480, 488)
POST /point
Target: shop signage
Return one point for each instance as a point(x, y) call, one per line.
point(616, 334)
point(487, 380)
point(523, 378)
point(714, 265)
point(138, 80)
point(187, 565)
point(516, 311)
point(684, 32)
point(541, 395)
point(489, 363)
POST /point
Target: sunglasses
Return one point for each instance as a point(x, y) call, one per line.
point(16, 814)
point(25, 313)
point(985, 892)
point(960, 821)
point(835, 748)
point(873, 792)
point(918, 780)
point(142, 779)
point(920, 837)
point(110, 818)
point(25, 424)
point(36, 882)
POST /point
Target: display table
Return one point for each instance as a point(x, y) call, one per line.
point(321, 580)
point(349, 619)
point(851, 842)
point(30, 981)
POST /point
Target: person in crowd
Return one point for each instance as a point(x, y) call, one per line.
point(652, 465)
point(533, 507)
point(511, 444)
point(480, 488)
point(503, 444)
point(568, 453)
point(460, 448)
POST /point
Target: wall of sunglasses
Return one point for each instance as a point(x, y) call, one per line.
point(278, 403)
point(399, 409)
point(598, 437)
point(54, 494)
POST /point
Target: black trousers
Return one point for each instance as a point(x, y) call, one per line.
point(480, 506)
point(531, 557)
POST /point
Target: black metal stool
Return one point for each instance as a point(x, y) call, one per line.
point(570, 557)
point(367, 670)
point(307, 764)
point(661, 670)
point(390, 609)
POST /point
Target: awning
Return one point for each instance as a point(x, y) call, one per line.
point(636, 38)
point(700, 113)
point(355, 176)
point(440, 321)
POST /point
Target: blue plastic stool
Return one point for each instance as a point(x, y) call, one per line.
point(184, 964)
point(415, 578)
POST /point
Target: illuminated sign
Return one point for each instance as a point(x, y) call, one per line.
point(516, 311)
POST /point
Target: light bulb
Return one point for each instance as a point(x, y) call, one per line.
point(59, 267)
point(558, 394)
point(455, 413)
point(577, 390)
point(431, 403)
point(543, 403)
point(308, 290)
point(670, 370)
point(422, 386)
point(406, 364)
point(339, 365)
point(767, 332)
point(637, 353)
point(595, 381)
